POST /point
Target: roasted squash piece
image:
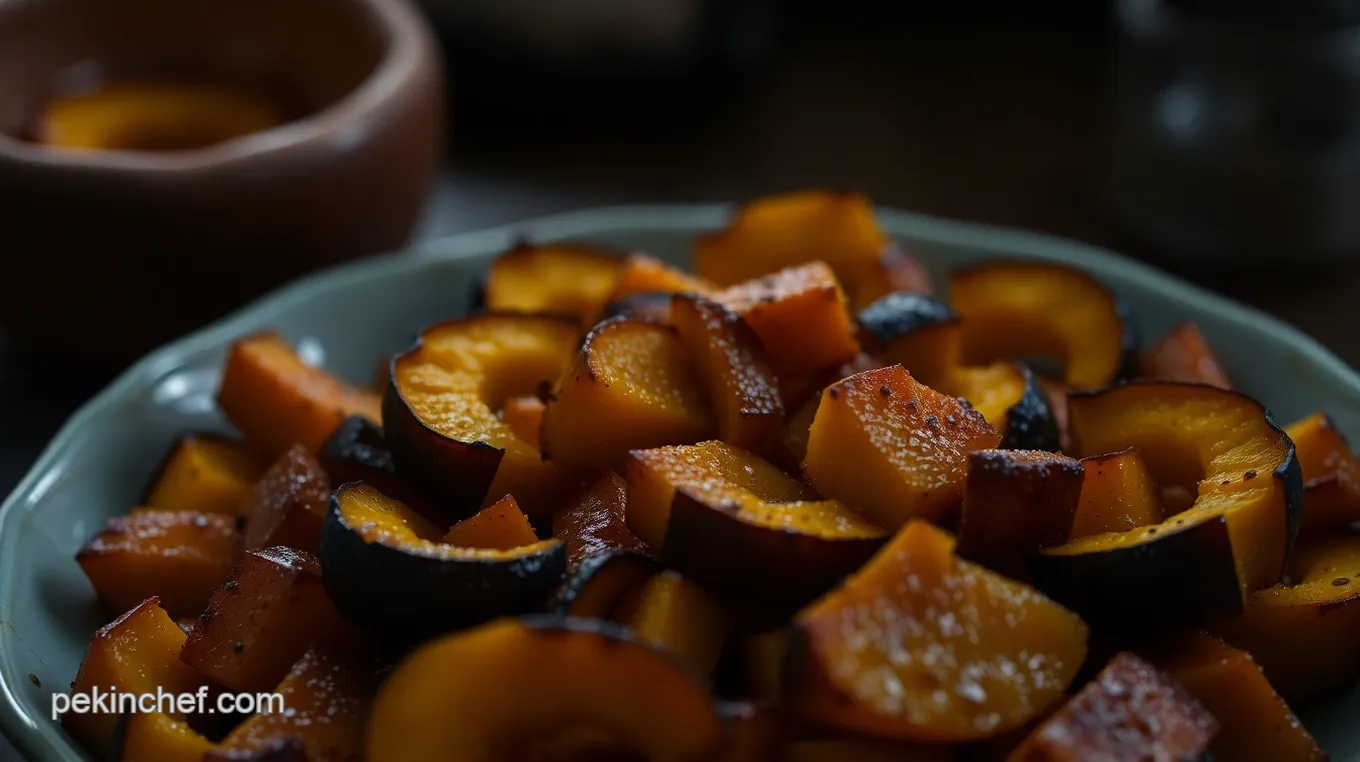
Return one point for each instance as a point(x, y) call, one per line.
point(178, 556)
point(205, 473)
point(277, 400)
point(497, 691)
point(1016, 309)
point(895, 270)
point(288, 504)
point(632, 385)
point(1304, 632)
point(136, 653)
point(730, 363)
point(892, 448)
point(1225, 449)
point(1331, 475)
point(566, 278)
point(358, 452)
point(862, 750)
point(440, 410)
point(524, 416)
point(915, 331)
point(593, 522)
point(598, 585)
point(262, 619)
point(1131, 711)
point(1254, 722)
point(867, 656)
point(499, 526)
point(326, 699)
point(677, 616)
point(1117, 495)
point(1183, 354)
point(800, 315)
point(1056, 392)
point(737, 524)
point(388, 572)
point(1017, 501)
point(642, 274)
point(791, 447)
point(158, 737)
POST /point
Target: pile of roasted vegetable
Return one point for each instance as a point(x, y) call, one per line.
point(791, 507)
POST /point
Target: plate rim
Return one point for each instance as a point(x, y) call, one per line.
point(38, 738)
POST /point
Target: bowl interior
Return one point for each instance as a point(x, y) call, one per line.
point(347, 318)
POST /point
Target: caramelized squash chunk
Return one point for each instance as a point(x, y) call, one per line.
point(895, 271)
point(730, 363)
point(1117, 495)
point(499, 691)
point(594, 521)
point(262, 619)
point(137, 653)
point(1131, 711)
point(524, 416)
point(893, 448)
point(571, 279)
point(800, 315)
point(277, 400)
point(178, 556)
point(597, 586)
point(677, 616)
point(1331, 475)
point(631, 386)
point(1016, 501)
point(499, 526)
point(868, 657)
point(1183, 354)
point(158, 737)
point(440, 410)
point(204, 473)
point(642, 274)
point(288, 504)
point(358, 452)
point(737, 524)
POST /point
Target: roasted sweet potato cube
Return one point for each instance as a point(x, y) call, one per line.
point(572, 279)
point(676, 615)
point(1331, 474)
point(892, 448)
point(262, 619)
point(593, 522)
point(277, 400)
point(642, 274)
point(1130, 711)
point(632, 386)
point(288, 504)
point(1016, 501)
point(730, 363)
point(1117, 494)
point(136, 653)
point(1183, 354)
point(800, 315)
point(499, 526)
point(179, 556)
point(524, 416)
point(204, 473)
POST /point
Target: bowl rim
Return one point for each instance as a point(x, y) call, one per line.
point(39, 738)
point(409, 52)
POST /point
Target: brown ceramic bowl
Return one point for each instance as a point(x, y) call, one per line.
point(105, 254)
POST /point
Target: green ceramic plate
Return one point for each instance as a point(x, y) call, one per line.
point(98, 465)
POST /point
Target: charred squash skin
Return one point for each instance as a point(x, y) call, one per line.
point(358, 452)
point(1208, 559)
point(388, 572)
point(594, 521)
point(492, 693)
point(596, 586)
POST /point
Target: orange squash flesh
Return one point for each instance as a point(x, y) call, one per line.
point(1183, 354)
point(494, 692)
point(632, 385)
point(1331, 475)
point(569, 279)
point(737, 524)
point(136, 653)
point(262, 619)
point(287, 505)
point(800, 315)
point(499, 526)
point(642, 274)
point(440, 410)
point(594, 521)
point(1117, 495)
point(1130, 711)
point(868, 656)
point(204, 473)
point(1016, 501)
point(895, 271)
point(1017, 309)
point(157, 737)
point(677, 616)
point(524, 416)
point(1303, 633)
point(179, 556)
point(1254, 722)
point(892, 448)
point(276, 400)
point(730, 363)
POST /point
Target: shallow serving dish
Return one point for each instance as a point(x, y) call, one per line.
point(347, 317)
